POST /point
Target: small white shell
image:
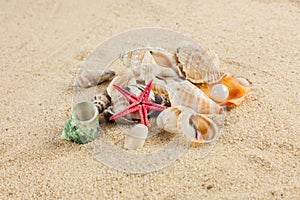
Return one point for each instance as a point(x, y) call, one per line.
point(244, 82)
point(136, 137)
point(219, 93)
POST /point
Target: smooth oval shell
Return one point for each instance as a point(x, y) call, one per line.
point(198, 64)
point(188, 95)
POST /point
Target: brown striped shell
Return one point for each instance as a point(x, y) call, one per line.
point(198, 64)
point(186, 94)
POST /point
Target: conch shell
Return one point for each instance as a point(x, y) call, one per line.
point(198, 64)
point(188, 95)
point(197, 127)
point(237, 92)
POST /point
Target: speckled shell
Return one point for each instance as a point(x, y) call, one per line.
point(198, 64)
point(101, 101)
point(188, 95)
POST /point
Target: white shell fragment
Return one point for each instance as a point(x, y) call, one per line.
point(90, 78)
point(219, 93)
point(136, 137)
point(244, 82)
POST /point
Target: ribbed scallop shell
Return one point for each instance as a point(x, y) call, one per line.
point(198, 64)
point(186, 94)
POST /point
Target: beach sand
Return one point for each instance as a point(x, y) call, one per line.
point(42, 46)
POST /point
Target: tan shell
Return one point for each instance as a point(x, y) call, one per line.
point(167, 119)
point(198, 64)
point(186, 94)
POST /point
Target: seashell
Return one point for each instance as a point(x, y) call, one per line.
point(167, 119)
point(244, 82)
point(101, 101)
point(219, 93)
point(159, 56)
point(136, 137)
point(237, 92)
point(121, 80)
point(90, 78)
point(198, 64)
point(188, 95)
point(197, 127)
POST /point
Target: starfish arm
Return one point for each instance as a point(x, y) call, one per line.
point(129, 109)
point(145, 111)
point(141, 114)
point(153, 106)
point(131, 97)
point(144, 96)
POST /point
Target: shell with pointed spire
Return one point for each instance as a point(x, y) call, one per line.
point(186, 94)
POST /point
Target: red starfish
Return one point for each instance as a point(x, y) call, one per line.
point(140, 104)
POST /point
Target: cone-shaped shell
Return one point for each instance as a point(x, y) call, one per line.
point(198, 64)
point(188, 95)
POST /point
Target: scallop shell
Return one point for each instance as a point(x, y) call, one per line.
point(197, 127)
point(90, 78)
point(188, 95)
point(101, 101)
point(198, 64)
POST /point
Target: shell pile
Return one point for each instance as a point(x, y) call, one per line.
point(188, 80)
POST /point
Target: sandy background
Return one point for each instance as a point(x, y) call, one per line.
point(42, 45)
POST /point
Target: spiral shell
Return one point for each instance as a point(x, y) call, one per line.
point(90, 78)
point(182, 120)
point(188, 95)
point(101, 101)
point(198, 64)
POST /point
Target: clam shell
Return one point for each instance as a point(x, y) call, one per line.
point(197, 127)
point(90, 78)
point(188, 95)
point(198, 64)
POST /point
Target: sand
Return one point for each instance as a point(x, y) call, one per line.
point(42, 46)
